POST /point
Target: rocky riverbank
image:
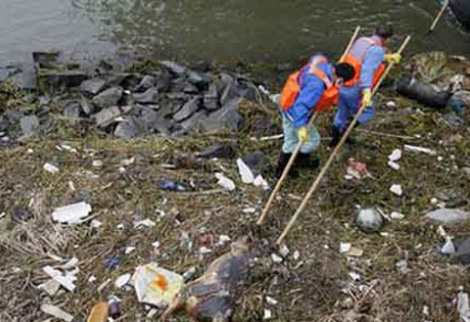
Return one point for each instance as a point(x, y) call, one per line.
point(169, 100)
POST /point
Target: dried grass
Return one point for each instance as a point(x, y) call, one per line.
point(307, 290)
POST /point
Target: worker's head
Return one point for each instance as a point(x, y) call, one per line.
point(344, 72)
point(384, 31)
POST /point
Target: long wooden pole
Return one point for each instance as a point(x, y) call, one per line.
point(439, 15)
point(335, 152)
point(298, 147)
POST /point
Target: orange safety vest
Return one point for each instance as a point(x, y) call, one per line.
point(357, 65)
point(292, 88)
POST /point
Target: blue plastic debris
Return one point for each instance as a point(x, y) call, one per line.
point(113, 262)
point(170, 185)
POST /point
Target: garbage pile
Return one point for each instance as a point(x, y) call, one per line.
point(438, 81)
point(171, 101)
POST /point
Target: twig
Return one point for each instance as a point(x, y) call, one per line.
point(267, 138)
point(388, 135)
point(204, 193)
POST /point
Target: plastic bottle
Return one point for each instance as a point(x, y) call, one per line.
point(99, 313)
point(114, 311)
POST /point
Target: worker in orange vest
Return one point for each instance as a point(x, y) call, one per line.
point(368, 57)
point(313, 88)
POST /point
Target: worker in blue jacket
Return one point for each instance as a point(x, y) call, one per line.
point(312, 88)
point(367, 56)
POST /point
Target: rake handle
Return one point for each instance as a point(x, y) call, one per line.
point(294, 155)
point(335, 152)
point(439, 15)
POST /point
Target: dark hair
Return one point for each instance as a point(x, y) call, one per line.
point(345, 71)
point(384, 31)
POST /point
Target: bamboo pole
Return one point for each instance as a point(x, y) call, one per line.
point(335, 152)
point(299, 146)
point(439, 15)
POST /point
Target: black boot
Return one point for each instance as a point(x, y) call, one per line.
point(307, 161)
point(282, 163)
point(336, 133)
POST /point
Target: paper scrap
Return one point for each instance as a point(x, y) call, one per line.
point(245, 172)
point(72, 214)
point(56, 312)
point(50, 168)
point(225, 182)
point(122, 280)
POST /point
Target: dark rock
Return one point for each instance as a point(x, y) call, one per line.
point(157, 123)
point(108, 98)
point(26, 79)
point(45, 100)
point(146, 83)
point(174, 68)
point(147, 116)
point(45, 59)
point(182, 85)
point(150, 96)
point(163, 83)
point(73, 110)
point(87, 107)
point(130, 128)
point(192, 124)
point(204, 66)
point(19, 214)
point(7, 72)
point(142, 107)
point(256, 161)
point(124, 80)
point(7, 143)
point(179, 133)
point(228, 89)
point(225, 119)
point(198, 79)
point(178, 96)
point(3, 124)
point(13, 115)
point(169, 107)
point(93, 86)
point(29, 98)
point(126, 129)
point(58, 79)
point(423, 93)
point(211, 98)
point(29, 125)
point(462, 255)
point(107, 116)
point(220, 151)
point(188, 109)
point(190, 89)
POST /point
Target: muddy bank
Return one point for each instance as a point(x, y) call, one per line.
point(134, 221)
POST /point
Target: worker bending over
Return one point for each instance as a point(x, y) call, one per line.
point(313, 88)
point(367, 56)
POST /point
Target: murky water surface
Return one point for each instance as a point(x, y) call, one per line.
point(253, 30)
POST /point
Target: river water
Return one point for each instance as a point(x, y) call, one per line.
point(252, 30)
